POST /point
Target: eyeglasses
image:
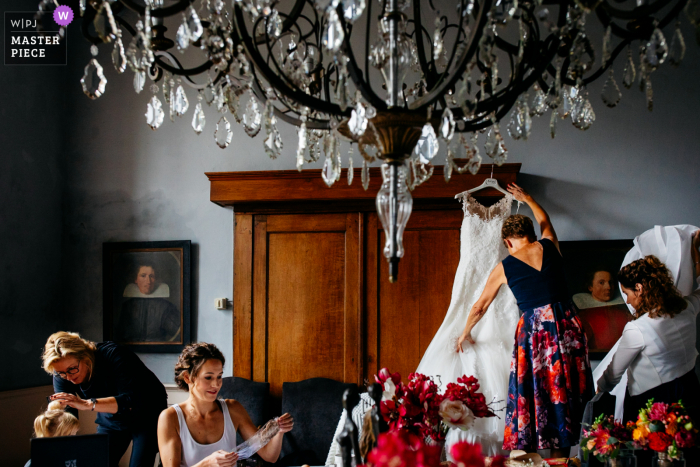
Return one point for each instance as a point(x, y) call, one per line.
point(69, 371)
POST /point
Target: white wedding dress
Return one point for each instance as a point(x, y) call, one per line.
point(489, 358)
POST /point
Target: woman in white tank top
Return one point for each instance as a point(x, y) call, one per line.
point(201, 432)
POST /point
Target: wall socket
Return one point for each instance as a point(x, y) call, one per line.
point(222, 303)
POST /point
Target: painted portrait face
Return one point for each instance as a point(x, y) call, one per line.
point(601, 288)
point(146, 280)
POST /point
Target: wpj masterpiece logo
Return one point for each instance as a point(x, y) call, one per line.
point(24, 45)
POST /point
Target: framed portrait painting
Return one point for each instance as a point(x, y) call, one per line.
point(591, 273)
point(146, 294)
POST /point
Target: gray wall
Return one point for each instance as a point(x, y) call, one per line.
point(31, 189)
point(125, 182)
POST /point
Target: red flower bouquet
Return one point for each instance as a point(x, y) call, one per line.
point(664, 428)
point(605, 438)
point(419, 408)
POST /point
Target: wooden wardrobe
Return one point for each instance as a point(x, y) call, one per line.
point(311, 296)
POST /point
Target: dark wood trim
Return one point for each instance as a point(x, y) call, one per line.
point(292, 191)
point(372, 297)
point(352, 350)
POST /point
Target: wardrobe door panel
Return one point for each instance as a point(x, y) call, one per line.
point(306, 306)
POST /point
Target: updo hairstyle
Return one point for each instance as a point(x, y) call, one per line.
point(191, 360)
point(518, 226)
point(659, 296)
point(55, 422)
point(62, 345)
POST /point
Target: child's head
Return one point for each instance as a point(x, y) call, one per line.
point(55, 422)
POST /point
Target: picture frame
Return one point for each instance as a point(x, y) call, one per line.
point(603, 316)
point(147, 295)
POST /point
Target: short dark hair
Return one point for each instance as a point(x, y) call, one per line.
point(191, 360)
point(518, 226)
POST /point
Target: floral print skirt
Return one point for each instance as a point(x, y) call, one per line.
point(550, 380)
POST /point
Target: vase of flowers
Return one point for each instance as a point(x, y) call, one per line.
point(610, 442)
point(666, 429)
point(418, 407)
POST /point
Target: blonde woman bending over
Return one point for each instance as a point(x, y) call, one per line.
point(201, 432)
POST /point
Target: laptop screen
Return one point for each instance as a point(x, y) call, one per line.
point(71, 451)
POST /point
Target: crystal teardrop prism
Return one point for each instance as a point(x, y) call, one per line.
point(198, 119)
point(328, 172)
point(273, 140)
point(656, 50)
point(629, 73)
point(333, 34)
point(365, 175)
point(252, 118)
point(495, 146)
point(154, 113)
point(353, 9)
point(274, 24)
point(181, 103)
point(538, 106)
point(611, 94)
point(341, 90)
point(118, 56)
point(351, 170)
point(427, 147)
point(447, 125)
point(220, 99)
point(677, 49)
point(93, 81)
point(209, 93)
point(139, 81)
point(449, 164)
point(582, 115)
point(233, 101)
point(193, 24)
point(168, 84)
point(104, 23)
point(566, 102)
point(223, 135)
point(649, 93)
point(438, 44)
point(303, 141)
point(182, 37)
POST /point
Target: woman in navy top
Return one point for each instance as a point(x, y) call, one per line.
point(111, 380)
point(550, 377)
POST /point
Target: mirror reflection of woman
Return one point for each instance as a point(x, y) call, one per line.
point(201, 432)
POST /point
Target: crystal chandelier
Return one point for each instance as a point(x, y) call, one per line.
point(396, 78)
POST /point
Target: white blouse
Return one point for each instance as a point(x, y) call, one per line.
point(654, 351)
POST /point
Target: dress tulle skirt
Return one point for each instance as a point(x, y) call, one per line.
point(550, 380)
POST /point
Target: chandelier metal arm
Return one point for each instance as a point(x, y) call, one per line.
point(271, 77)
point(466, 57)
point(181, 5)
point(354, 71)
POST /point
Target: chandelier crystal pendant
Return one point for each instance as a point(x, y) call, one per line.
point(397, 78)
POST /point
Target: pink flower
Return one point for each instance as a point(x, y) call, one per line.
point(685, 439)
point(658, 411)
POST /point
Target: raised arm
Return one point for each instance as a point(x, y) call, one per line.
point(271, 451)
point(496, 279)
point(538, 211)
